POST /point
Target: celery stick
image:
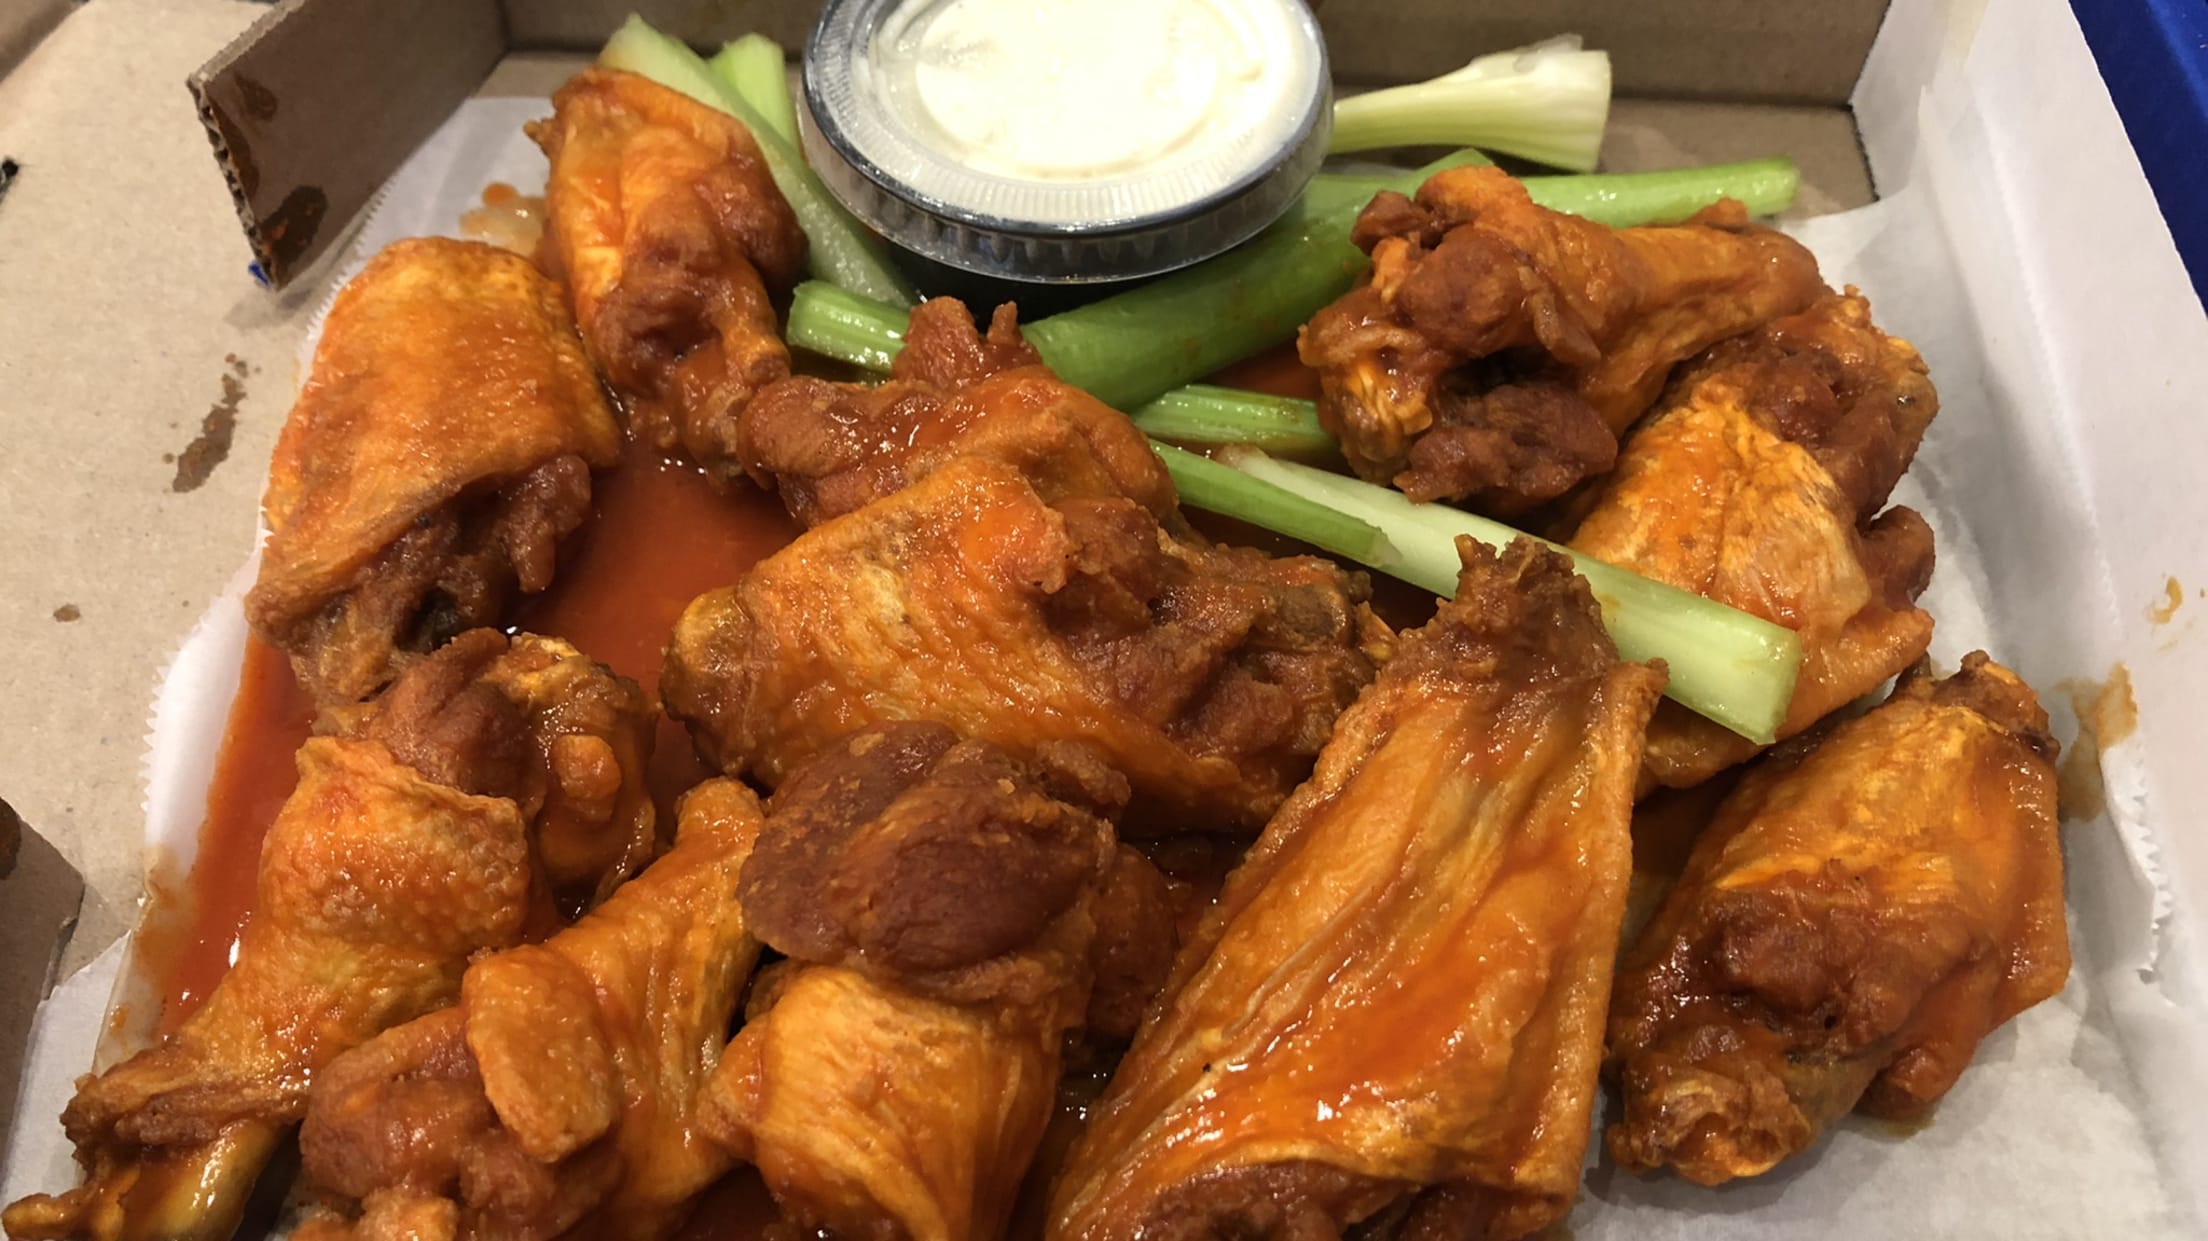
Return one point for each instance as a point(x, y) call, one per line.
point(1203, 414)
point(1736, 669)
point(756, 70)
point(1625, 199)
point(1214, 488)
point(1547, 103)
point(836, 323)
point(1137, 345)
point(841, 251)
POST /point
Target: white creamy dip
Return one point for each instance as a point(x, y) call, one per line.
point(1087, 91)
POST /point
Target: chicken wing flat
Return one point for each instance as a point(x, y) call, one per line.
point(828, 448)
point(935, 898)
point(1395, 1009)
point(1854, 920)
point(1497, 350)
point(440, 450)
point(1209, 677)
point(669, 232)
point(557, 1097)
point(405, 848)
point(1758, 482)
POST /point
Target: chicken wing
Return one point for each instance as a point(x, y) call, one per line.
point(1396, 1006)
point(1497, 350)
point(559, 1093)
point(828, 448)
point(406, 847)
point(670, 234)
point(1208, 677)
point(1855, 919)
point(440, 450)
point(935, 899)
point(1758, 482)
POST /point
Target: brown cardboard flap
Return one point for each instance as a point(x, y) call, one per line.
point(312, 108)
point(582, 25)
point(23, 23)
point(1752, 50)
point(1745, 50)
point(39, 897)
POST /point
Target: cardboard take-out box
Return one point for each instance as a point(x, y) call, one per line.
point(1991, 106)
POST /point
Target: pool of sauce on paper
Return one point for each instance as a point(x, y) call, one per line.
point(660, 536)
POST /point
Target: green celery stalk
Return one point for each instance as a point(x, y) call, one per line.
point(1215, 488)
point(841, 250)
point(1625, 199)
point(1736, 669)
point(756, 70)
point(1203, 414)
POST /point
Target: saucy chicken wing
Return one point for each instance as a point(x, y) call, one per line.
point(407, 847)
point(441, 448)
point(1208, 676)
point(934, 897)
point(1497, 350)
point(1855, 919)
point(670, 234)
point(1395, 1010)
point(828, 448)
point(557, 1097)
point(1758, 482)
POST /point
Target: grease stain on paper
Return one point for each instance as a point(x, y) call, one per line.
point(68, 612)
point(211, 447)
point(2164, 610)
point(2107, 714)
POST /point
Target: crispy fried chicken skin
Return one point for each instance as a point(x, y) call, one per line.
point(1396, 1005)
point(557, 1098)
point(1208, 676)
point(935, 899)
point(1758, 482)
point(407, 846)
point(671, 235)
point(1497, 350)
point(441, 448)
point(828, 448)
point(1855, 919)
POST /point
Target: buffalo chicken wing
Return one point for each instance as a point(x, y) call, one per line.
point(936, 901)
point(670, 234)
point(441, 448)
point(1207, 676)
point(557, 1097)
point(1758, 482)
point(1854, 920)
point(1497, 349)
point(1395, 1009)
point(407, 847)
point(828, 448)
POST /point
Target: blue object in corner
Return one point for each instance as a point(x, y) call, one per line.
point(2153, 56)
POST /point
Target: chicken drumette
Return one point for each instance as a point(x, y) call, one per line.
point(409, 844)
point(441, 448)
point(1497, 350)
point(935, 898)
point(670, 234)
point(1758, 482)
point(557, 1097)
point(1859, 914)
point(1208, 676)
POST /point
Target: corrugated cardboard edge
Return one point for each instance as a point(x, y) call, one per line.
point(40, 896)
point(312, 107)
